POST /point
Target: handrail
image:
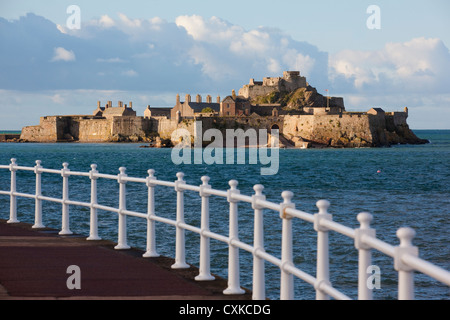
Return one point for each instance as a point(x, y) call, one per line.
point(406, 259)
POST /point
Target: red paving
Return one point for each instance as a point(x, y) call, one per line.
point(33, 264)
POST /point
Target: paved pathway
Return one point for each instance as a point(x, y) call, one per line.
point(33, 265)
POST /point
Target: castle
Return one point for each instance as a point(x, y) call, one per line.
point(304, 118)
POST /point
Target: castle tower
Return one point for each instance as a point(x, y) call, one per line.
point(148, 113)
point(274, 112)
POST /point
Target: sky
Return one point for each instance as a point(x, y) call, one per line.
point(148, 51)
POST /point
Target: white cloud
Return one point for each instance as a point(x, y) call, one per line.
point(111, 60)
point(106, 21)
point(61, 54)
point(418, 65)
point(130, 73)
point(222, 48)
point(57, 98)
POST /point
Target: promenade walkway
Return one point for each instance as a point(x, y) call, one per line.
point(33, 265)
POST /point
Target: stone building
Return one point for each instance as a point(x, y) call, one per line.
point(235, 106)
point(157, 112)
point(290, 81)
point(120, 111)
point(189, 108)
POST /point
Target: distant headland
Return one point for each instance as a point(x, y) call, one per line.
point(304, 118)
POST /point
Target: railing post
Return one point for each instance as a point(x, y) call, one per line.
point(122, 232)
point(323, 273)
point(287, 279)
point(13, 198)
point(259, 288)
point(405, 273)
point(233, 252)
point(205, 258)
point(180, 245)
point(38, 202)
point(364, 255)
point(65, 196)
point(93, 234)
point(151, 236)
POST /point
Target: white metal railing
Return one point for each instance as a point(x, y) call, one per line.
point(405, 256)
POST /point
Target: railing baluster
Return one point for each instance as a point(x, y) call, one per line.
point(180, 245)
point(287, 279)
point(259, 288)
point(323, 273)
point(405, 273)
point(13, 198)
point(234, 286)
point(38, 202)
point(205, 259)
point(364, 255)
point(93, 233)
point(65, 196)
point(122, 232)
point(151, 236)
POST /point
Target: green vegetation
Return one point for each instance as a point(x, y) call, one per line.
point(207, 110)
point(287, 100)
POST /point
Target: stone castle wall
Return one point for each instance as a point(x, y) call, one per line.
point(87, 129)
point(290, 81)
point(93, 130)
point(46, 131)
point(349, 129)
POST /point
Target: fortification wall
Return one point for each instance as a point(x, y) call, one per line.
point(129, 126)
point(92, 130)
point(251, 91)
point(349, 130)
point(46, 131)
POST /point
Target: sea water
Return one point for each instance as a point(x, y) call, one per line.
point(404, 185)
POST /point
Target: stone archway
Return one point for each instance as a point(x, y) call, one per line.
point(274, 126)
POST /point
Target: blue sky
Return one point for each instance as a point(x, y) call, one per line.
point(148, 51)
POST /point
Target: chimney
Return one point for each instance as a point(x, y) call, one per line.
point(178, 99)
point(199, 98)
point(99, 104)
point(131, 105)
point(208, 99)
point(218, 99)
point(188, 98)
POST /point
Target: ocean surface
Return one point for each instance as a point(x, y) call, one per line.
point(400, 186)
